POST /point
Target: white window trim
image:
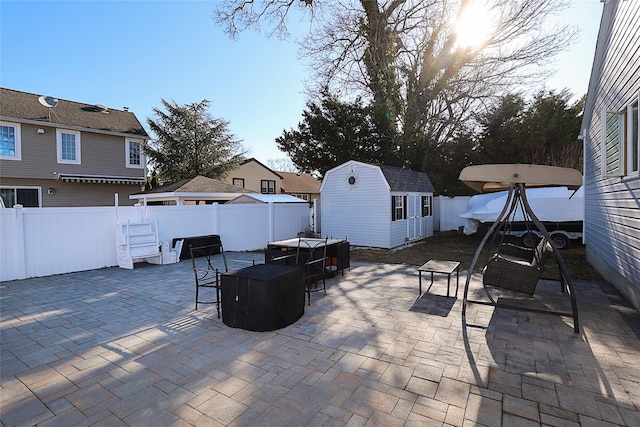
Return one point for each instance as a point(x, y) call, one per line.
point(18, 142)
point(629, 140)
point(127, 146)
point(625, 149)
point(59, 133)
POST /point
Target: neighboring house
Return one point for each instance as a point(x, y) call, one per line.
point(194, 191)
point(612, 150)
point(379, 206)
point(301, 185)
point(256, 177)
point(55, 152)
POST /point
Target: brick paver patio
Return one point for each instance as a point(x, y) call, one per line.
point(115, 347)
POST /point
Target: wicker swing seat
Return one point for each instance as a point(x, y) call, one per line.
point(516, 268)
point(508, 266)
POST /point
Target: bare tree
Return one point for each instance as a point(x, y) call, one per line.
point(282, 165)
point(406, 56)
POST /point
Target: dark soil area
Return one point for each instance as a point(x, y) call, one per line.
point(455, 246)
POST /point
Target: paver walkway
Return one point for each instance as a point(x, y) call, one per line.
point(115, 347)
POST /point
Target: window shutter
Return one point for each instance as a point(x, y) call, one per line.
point(393, 208)
point(404, 206)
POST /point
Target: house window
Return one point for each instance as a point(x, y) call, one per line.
point(398, 211)
point(10, 146)
point(68, 146)
point(427, 202)
point(238, 182)
point(134, 154)
point(620, 148)
point(267, 187)
point(633, 146)
point(301, 196)
point(29, 197)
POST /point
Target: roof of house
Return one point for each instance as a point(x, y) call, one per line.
point(266, 198)
point(199, 184)
point(26, 106)
point(406, 180)
point(299, 183)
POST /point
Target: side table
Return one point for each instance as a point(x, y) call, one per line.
point(444, 267)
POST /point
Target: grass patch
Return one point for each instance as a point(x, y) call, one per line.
point(455, 246)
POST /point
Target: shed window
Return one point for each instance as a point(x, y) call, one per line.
point(427, 202)
point(398, 208)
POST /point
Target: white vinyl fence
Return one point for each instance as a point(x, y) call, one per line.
point(447, 210)
point(44, 241)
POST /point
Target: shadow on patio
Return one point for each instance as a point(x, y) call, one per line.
point(125, 347)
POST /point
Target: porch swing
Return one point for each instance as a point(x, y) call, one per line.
point(506, 265)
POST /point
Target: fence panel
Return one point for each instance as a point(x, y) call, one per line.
point(61, 240)
point(11, 245)
point(447, 212)
point(45, 241)
point(289, 220)
point(244, 227)
point(183, 221)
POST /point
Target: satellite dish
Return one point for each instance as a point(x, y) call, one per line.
point(101, 108)
point(48, 101)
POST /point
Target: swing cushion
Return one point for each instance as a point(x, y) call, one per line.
point(517, 269)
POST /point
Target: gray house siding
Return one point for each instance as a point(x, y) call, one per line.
point(612, 204)
point(99, 154)
point(102, 168)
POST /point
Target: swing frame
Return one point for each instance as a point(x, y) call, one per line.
point(516, 178)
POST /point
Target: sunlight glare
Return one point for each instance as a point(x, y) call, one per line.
point(473, 27)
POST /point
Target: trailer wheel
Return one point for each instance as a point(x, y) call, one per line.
point(530, 240)
point(560, 240)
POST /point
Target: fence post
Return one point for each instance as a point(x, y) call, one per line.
point(271, 219)
point(216, 218)
point(21, 261)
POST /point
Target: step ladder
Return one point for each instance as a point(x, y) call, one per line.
point(137, 241)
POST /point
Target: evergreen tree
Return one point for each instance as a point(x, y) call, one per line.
point(190, 142)
point(332, 133)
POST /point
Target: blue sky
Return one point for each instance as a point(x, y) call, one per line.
point(133, 53)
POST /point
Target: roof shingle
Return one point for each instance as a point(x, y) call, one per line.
point(23, 105)
point(406, 180)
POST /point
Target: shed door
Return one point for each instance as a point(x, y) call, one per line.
point(414, 217)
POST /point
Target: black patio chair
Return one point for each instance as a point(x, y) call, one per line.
point(206, 276)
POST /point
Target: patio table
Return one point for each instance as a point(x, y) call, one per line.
point(444, 267)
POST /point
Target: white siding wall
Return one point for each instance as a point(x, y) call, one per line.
point(612, 207)
point(359, 212)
